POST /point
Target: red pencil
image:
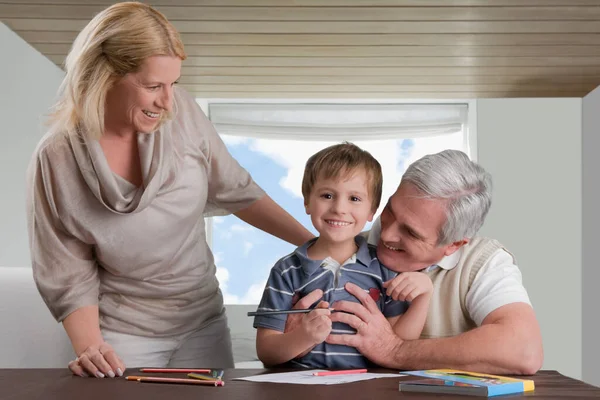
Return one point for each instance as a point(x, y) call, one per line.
point(174, 370)
point(341, 372)
point(153, 379)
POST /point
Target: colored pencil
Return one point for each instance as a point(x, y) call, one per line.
point(278, 312)
point(216, 374)
point(341, 372)
point(175, 370)
point(152, 379)
point(203, 377)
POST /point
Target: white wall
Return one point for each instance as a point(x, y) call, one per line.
point(29, 82)
point(591, 222)
point(532, 148)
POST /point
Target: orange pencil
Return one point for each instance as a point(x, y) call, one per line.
point(342, 372)
point(153, 379)
point(175, 370)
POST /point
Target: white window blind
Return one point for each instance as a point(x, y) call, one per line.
point(337, 122)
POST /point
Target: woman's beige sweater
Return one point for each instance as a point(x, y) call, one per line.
point(139, 253)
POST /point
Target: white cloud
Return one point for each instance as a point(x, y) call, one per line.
point(247, 247)
point(254, 292)
point(227, 233)
point(223, 278)
point(241, 228)
point(218, 257)
point(292, 156)
point(252, 295)
point(218, 220)
point(230, 299)
point(234, 140)
point(222, 275)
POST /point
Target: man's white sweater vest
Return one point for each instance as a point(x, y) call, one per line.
point(448, 314)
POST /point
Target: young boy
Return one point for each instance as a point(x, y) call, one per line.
point(342, 190)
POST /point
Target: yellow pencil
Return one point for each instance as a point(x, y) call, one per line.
point(153, 379)
point(203, 377)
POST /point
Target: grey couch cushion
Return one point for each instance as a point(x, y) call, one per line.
point(29, 336)
point(243, 335)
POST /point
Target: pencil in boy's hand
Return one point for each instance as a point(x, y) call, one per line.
point(278, 312)
point(152, 379)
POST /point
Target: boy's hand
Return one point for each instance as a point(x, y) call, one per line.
point(293, 321)
point(407, 286)
point(317, 325)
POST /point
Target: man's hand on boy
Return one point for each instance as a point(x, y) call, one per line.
point(407, 286)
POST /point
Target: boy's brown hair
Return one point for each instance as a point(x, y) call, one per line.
point(342, 160)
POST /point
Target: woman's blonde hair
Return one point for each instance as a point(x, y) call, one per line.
point(115, 42)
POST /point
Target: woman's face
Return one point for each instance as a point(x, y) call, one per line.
point(141, 99)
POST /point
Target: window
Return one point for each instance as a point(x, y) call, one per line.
point(275, 153)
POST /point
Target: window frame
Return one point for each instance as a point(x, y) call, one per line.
point(470, 137)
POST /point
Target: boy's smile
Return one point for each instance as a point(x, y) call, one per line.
point(337, 223)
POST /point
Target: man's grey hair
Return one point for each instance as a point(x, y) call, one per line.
point(464, 184)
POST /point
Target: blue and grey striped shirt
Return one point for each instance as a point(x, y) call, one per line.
point(296, 275)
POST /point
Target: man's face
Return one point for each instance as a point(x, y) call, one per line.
point(409, 231)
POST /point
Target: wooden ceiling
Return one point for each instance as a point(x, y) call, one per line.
point(358, 48)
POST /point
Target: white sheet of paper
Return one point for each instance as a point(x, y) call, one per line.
point(306, 377)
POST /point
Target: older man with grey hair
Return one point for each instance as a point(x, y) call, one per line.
point(480, 317)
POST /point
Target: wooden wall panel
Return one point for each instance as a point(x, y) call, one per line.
point(330, 3)
point(195, 13)
point(328, 27)
point(364, 51)
point(253, 39)
point(357, 48)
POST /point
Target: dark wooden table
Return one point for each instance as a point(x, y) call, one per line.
point(55, 384)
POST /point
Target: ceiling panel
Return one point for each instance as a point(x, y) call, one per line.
point(358, 48)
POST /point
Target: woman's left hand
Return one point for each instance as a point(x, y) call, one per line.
point(99, 361)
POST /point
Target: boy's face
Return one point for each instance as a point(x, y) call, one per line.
point(339, 208)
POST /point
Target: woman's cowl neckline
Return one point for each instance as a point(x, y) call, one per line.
point(113, 191)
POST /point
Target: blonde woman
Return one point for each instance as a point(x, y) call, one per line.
point(117, 193)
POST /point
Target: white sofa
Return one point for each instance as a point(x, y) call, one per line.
point(31, 338)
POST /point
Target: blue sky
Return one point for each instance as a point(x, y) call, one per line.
point(243, 254)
